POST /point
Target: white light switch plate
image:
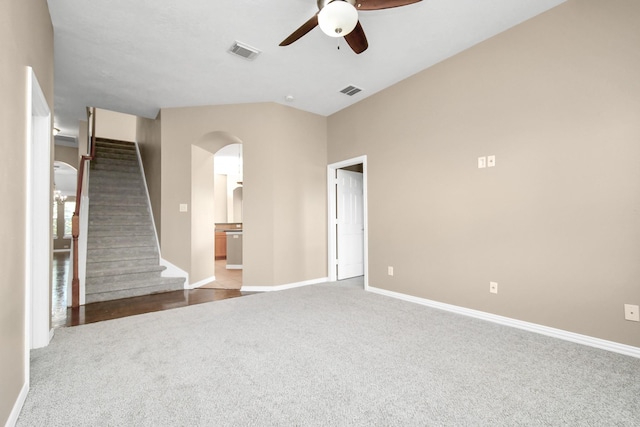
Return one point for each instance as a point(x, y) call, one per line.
point(183, 207)
point(482, 162)
point(491, 161)
point(493, 287)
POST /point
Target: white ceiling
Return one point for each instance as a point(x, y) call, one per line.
point(139, 56)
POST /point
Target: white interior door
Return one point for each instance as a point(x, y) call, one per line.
point(350, 224)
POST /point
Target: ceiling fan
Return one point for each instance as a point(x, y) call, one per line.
point(339, 18)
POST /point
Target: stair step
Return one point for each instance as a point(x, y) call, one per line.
point(129, 229)
point(102, 153)
point(114, 148)
point(118, 187)
point(114, 190)
point(133, 163)
point(117, 221)
point(100, 265)
point(173, 284)
point(106, 142)
point(119, 254)
point(134, 214)
point(109, 282)
point(128, 182)
point(101, 203)
point(104, 174)
point(118, 198)
point(95, 242)
point(96, 271)
point(113, 167)
point(116, 232)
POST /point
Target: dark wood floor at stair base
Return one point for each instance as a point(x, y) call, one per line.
point(107, 310)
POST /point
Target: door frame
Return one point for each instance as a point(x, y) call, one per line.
point(38, 242)
point(331, 220)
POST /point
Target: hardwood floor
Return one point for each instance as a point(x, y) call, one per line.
point(96, 312)
point(225, 279)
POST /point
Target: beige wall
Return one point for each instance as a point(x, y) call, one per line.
point(220, 203)
point(83, 139)
point(148, 137)
point(284, 153)
point(202, 215)
point(69, 155)
point(114, 125)
point(556, 223)
point(26, 39)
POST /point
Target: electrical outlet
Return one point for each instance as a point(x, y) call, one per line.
point(493, 287)
point(491, 161)
point(482, 162)
point(390, 271)
point(632, 312)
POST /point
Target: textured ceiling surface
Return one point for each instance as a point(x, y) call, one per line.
point(139, 56)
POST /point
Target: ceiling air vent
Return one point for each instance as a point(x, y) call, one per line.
point(350, 90)
point(244, 50)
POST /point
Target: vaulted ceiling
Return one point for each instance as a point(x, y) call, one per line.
point(139, 56)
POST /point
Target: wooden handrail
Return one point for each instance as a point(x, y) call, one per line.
point(75, 220)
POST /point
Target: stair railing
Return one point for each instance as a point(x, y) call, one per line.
point(75, 220)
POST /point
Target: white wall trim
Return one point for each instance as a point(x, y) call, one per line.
point(17, 406)
point(284, 287)
point(331, 221)
point(173, 270)
point(201, 282)
point(615, 347)
point(234, 267)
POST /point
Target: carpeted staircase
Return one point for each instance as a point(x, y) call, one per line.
point(122, 252)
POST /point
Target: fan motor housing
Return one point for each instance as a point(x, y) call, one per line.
point(323, 3)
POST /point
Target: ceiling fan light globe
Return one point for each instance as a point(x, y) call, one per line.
point(338, 18)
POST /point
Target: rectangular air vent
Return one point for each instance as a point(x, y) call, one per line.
point(244, 51)
point(350, 90)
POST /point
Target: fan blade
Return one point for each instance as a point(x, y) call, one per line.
point(382, 4)
point(357, 40)
point(304, 29)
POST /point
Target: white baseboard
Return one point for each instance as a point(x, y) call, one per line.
point(175, 271)
point(201, 282)
point(514, 323)
point(17, 406)
point(234, 266)
point(283, 287)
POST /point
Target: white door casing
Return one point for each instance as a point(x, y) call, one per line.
point(38, 221)
point(332, 221)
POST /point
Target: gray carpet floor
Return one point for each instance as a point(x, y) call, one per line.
point(323, 355)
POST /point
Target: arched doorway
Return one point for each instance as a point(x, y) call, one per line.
point(214, 210)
